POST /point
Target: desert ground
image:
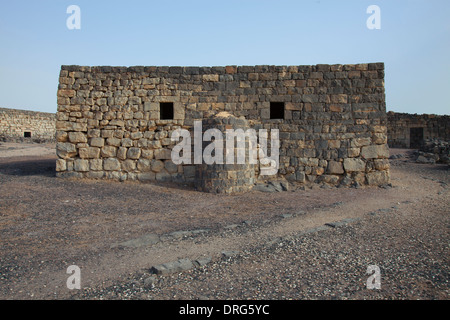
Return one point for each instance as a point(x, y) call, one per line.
point(303, 243)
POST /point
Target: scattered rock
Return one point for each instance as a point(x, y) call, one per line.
point(229, 254)
point(423, 159)
point(434, 151)
point(341, 222)
point(172, 267)
point(272, 186)
point(231, 226)
point(202, 261)
point(149, 282)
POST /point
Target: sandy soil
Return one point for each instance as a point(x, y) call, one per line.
point(48, 224)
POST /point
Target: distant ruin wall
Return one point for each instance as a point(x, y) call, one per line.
point(406, 130)
point(17, 124)
point(112, 122)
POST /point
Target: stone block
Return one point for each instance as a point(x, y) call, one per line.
point(144, 165)
point(354, 165)
point(335, 167)
point(129, 165)
point(210, 77)
point(62, 136)
point(96, 164)
point(97, 142)
point(328, 178)
point(89, 153)
point(170, 166)
point(147, 153)
point(146, 176)
point(163, 176)
point(300, 176)
point(381, 164)
point(353, 152)
point(115, 142)
point(360, 142)
point(108, 152)
point(95, 174)
point(163, 154)
point(377, 178)
point(66, 93)
point(157, 165)
point(133, 153)
point(122, 153)
point(111, 164)
point(375, 151)
point(66, 150)
point(126, 142)
point(61, 165)
point(81, 165)
point(77, 137)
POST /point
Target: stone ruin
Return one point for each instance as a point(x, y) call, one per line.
point(429, 134)
point(117, 122)
point(413, 130)
point(23, 125)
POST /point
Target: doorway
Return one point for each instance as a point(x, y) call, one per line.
point(415, 137)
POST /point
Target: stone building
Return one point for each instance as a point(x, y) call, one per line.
point(117, 122)
point(406, 130)
point(18, 124)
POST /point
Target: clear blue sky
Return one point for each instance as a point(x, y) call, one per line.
point(413, 42)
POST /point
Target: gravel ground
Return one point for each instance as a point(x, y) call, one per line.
point(279, 246)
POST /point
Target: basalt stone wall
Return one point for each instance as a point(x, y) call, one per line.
point(411, 130)
point(220, 176)
point(17, 124)
point(116, 122)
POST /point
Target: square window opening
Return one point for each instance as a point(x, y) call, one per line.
point(166, 110)
point(277, 110)
point(27, 134)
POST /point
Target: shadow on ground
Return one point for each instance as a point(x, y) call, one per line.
point(44, 167)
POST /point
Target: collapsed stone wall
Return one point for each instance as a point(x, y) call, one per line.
point(400, 124)
point(332, 125)
point(19, 124)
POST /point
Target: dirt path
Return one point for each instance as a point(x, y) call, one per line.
point(48, 224)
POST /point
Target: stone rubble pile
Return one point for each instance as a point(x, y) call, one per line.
point(434, 151)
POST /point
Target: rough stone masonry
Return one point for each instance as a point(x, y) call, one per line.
point(23, 124)
point(116, 122)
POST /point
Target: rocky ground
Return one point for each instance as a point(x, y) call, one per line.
point(143, 241)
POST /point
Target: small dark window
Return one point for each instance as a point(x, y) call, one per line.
point(166, 110)
point(27, 134)
point(277, 110)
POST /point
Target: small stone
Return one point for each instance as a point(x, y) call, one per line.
point(149, 282)
point(172, 267)
point(201, 262)
point(229, 254)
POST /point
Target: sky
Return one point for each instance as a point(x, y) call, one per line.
point(413, 41)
